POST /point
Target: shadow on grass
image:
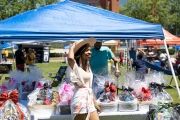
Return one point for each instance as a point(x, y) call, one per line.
point(55, 83)
point(170, 87)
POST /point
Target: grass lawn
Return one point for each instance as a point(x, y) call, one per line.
point(54, 66)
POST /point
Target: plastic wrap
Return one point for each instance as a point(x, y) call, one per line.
point(98, 84)
point(157, 77)
point(24, 111)
point(66, 92)
point(109, 93)
point(158, 93)
point(9, 111)
point(141, 91)
point(165, 111)
point(126, 95)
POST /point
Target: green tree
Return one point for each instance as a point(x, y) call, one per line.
point(164, 12)
point(10, 8)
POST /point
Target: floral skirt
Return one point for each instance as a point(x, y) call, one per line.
point(82, 102)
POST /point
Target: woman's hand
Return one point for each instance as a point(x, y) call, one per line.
point(98, 108)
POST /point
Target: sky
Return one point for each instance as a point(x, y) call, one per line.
point(122, 2)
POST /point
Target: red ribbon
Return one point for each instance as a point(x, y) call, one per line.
point(14, 97)
point(146, 94)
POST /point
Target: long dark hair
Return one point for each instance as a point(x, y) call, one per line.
point(78, 54)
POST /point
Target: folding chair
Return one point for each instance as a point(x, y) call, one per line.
point(60, 74)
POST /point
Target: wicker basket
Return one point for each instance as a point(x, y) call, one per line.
point(128, 106)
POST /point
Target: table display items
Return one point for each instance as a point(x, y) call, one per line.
point(10, 109)
point(127, 101)
point(98, 84)
point(12, 82)
point(151, 89)
point(66, 92)
point(43, 100)
point(163, 111)
point(107, 100)
point(158, 92)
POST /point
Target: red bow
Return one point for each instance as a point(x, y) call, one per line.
point(111, 88)
point(14, 97)
point(146, 94)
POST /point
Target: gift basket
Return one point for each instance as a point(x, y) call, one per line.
point(10, 109)
point(43, 100)
point(127, 101)
point(29, 82)
point(107, 101)
point(163, 111)
point(12, 82)
point(66, 92)
point(158, 93)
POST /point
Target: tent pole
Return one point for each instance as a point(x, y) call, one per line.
point(173, 73)
point(127, 54)
point(13, 54)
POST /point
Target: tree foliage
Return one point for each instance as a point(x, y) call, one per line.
point(164, 12)
point(10, 8)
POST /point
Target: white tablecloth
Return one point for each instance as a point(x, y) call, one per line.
point(137, 115)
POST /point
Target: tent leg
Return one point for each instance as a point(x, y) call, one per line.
point(173, 73)
point(13, 55)
point(169, 85)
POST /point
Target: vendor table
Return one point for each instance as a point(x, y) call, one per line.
point(136, 115)
point(5, 67)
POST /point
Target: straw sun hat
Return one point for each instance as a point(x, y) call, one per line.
point(80, 43)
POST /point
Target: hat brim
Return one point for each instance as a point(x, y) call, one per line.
point(90, 41)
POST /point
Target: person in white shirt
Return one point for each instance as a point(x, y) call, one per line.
point(163, 58)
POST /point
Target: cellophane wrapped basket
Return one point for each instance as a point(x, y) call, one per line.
point(66, 92)
point(127, 101)
point(42, 101)
point(107, 100)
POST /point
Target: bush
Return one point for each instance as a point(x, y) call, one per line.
point(51, 48)
point(56, 54)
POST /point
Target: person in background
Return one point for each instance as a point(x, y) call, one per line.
point(99, 65)
point(19, 57)
point(163, 57)
point(30, 57)
point(140, 65)
point(157, 57)
point(178, 58)
point(83, 105)
point(150, 55)
point(5, 54)
point(65, 57)
point(121, 57)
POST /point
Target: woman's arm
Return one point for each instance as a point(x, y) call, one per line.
point(96, 105)
point(71, 61)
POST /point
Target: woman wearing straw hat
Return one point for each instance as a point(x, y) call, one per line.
point(83, 105)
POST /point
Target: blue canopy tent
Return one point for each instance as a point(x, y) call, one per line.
point(8, 45)
point(68, 20)
point(176, 47)
point(72, 21)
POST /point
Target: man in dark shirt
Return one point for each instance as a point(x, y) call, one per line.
point(140, 64)
point(19, 55)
